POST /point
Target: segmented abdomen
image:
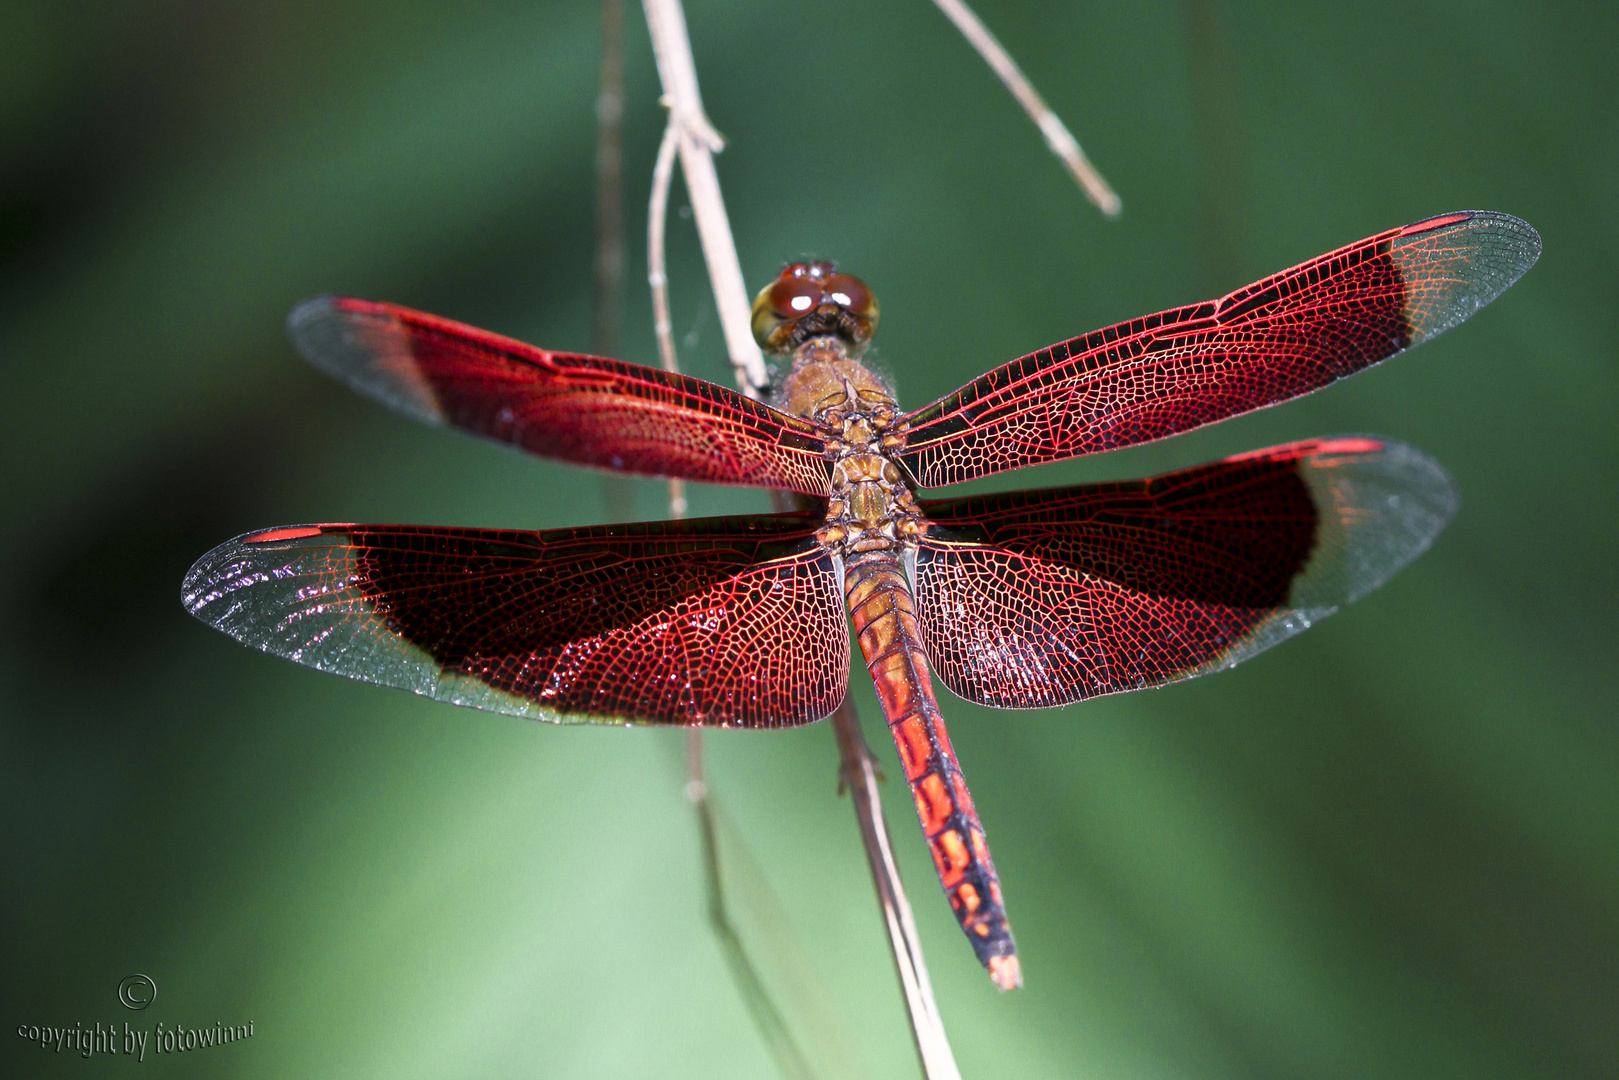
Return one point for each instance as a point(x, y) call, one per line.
point(884, 617)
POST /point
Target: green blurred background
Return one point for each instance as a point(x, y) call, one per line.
point(1389, 848)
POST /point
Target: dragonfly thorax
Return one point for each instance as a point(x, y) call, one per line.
point(823, 378)
point(871, 506)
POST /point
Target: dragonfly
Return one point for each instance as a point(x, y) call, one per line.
point(1018, 600)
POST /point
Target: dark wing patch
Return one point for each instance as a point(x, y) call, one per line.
point(1274, 340)
point(719, 622)
point(1042, 598)
point(584, 409)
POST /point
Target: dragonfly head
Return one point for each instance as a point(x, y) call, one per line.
point(811, 299)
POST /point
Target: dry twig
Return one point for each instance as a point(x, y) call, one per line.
point(658, 278)
point(698, 141)
point(1058, 137)
point(690, 131)
point(691, 135)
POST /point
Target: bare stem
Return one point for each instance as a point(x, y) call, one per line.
point(658, 278)
point(1058, 137)
point(656, 273)
point(859, 774)
point(696, 140)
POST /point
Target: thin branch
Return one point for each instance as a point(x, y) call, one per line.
point(766, 1017)
point(656, 274)
point(1058, 137)
point(697, 141)
point(859, 774)
point(658, 278)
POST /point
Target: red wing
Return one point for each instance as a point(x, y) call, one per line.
point(583, 409)
point(720, 621)
point(1040, 598)
point(1287, 335)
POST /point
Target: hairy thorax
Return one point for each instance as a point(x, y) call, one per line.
point(871, 507)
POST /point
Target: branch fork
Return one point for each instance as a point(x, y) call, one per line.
point(691, 135)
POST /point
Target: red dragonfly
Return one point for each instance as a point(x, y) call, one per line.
point(1021, 600)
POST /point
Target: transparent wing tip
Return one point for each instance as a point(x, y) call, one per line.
point(250, 586)
point(316, 327)
point(196, 589)
point(1382, 503)
point(1454, 264)
point(367, 346)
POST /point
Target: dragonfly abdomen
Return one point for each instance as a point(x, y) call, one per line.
point(884, 615)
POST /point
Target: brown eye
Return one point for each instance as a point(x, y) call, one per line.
point(792, 297)
point(779, 306)
point(811, 299)
point(851, 294)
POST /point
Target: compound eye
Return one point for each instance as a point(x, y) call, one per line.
point(794, 297)
point(809, 299)
point(779, 306)
point(851, 294)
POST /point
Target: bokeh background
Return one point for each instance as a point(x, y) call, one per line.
point(1389, 848)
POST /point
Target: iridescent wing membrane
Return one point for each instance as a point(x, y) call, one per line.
point(1040, 598)
point(1277, 339)
point(652, 623)
point(1037, 598)
point(584, 409)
